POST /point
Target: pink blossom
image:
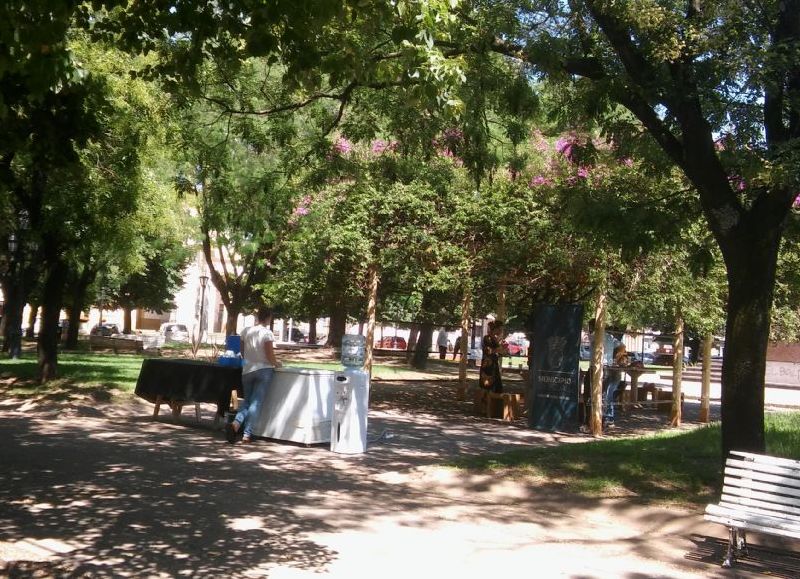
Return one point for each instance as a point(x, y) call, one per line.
point(453, 134)
point(342, 146)
point(583, 172)
point(737, 182)
point(725, 142)
point(564, 146)
point(379, 146)
point(302, 207)
point(796, 203)
point(627, 161)
point(539, 181)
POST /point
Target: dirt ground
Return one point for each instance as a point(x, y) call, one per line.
point(98, 489)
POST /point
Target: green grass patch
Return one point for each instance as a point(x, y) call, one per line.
point(673, 466)
point(782, 432)
point(98, 375)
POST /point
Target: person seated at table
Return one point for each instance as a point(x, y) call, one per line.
point(614, 378)
point(490, 378)
point(259, 364)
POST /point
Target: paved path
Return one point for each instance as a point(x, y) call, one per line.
point(108, 492)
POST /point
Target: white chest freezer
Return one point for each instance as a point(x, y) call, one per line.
point(298, 406)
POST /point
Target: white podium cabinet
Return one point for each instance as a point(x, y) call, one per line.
point(297, 406)
point(350, 407)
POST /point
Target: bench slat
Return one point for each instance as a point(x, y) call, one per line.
point(766, 459)
point(751, 526)
point(758, 487)
point(751, 521)
point(771, 484)
point(733, 497)
point(761, 493)
point(757, 510)
point(791, 475)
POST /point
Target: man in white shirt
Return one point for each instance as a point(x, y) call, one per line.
point(259, 364)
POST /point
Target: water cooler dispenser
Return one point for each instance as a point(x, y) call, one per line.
point(350, 399)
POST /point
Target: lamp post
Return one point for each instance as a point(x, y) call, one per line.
point(203, 284)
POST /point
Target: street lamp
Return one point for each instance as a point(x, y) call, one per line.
point(203, 284)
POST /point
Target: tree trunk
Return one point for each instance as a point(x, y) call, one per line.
point(127, 320)
point(32, 315)
point(677, 371)
point(338, 327)
point(422, 351)
point(413, 336)
point(77, 299)
point(751, 278)
point(13, 308)
point(74, 325)
point(705, 389)
point(312, 329)
point(596, 418)
point(466, 304)
point(374, 280)
point(233, 311)
point(502, 312)
point(51, 312)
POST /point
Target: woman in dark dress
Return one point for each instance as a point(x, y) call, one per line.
point(493, 350)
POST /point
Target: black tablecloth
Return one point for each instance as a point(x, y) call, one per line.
point(186, 381)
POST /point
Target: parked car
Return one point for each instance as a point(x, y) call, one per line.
point(515, 347)
point(105, 329)
point(391, 343)
point(174, 332)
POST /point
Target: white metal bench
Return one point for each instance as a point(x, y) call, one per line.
point(760, 493)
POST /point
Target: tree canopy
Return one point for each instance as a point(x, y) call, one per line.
point(558, 120)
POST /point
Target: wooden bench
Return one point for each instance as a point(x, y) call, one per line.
point(663, 400)
point(760, 493)
point(503, 405)
point(120, 344)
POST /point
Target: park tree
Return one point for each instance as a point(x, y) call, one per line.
point(71, 164)
point(383, 215)
point(714, 84)
point(605, 224)
point(153, 285)
point(237, 171)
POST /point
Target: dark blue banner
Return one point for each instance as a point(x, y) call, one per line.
point(555, 372)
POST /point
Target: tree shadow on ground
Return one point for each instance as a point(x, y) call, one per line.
point(123, 494)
